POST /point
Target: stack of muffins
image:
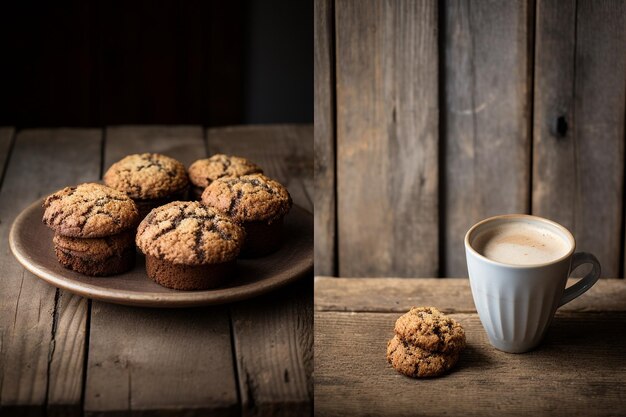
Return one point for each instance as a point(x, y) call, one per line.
point(189, 245)
point(94, 229)
point(426, 343)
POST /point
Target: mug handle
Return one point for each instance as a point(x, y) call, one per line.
point(587, 281)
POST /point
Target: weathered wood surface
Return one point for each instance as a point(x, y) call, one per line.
point(324, 106)
point(273, 334)
point(42, 330)
point(177, 359)
point(152, 361)
point(577, 370)
point(580, 76)
point(387, 137)
point(486, 109)
point(452, 295)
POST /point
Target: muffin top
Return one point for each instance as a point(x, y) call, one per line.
point(188, 233)
point(147, 175)
point(89, 210)
point(204, 171)
point(97, 249)
point(249, 198)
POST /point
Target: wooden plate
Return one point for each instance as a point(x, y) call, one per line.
point(31, 243)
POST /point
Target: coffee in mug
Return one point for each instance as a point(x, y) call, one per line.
point(518, 267)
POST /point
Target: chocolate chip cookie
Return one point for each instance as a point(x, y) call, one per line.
point(204, 171)
point(258, 202)
point(429, 329)
point(150, 179)
point(189, 246)
point(426, 343)
point(415, 362)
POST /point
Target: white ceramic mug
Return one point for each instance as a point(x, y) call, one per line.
point(516, 303)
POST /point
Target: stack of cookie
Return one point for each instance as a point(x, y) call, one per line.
point(427, 343)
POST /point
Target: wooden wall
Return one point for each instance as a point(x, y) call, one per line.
point(430, 116)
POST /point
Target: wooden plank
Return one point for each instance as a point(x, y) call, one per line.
point(486, 137)
point(387, 138)
point(452, 295)
point(273, 335)
point(274, 344)
point(156, 362)
point(324, 115)
point(285, 152)
point(577, 167)
point(42, 330)
point(353, 378)
point(174, 359)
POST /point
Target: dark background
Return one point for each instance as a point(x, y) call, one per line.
point(96, 63)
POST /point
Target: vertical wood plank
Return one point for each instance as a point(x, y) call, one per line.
point(487, 132)
point(324, 107)
point(273, 334)
point(42, 330)
point(387, 137)
point(157, 361)
point(578, 172)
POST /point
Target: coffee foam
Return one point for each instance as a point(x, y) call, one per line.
point(521, 243)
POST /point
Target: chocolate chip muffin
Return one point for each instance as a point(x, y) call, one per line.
point(189, 246)
point(204, 171)
point(93, 227)
point(98, 256)
point(257, 202)
point(426, 343)
point(150, 179)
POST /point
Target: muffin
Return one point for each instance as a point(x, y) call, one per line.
point(189, 246)
point(93, 227)
point(204, 171)
point(150, 179)
point(257, 202)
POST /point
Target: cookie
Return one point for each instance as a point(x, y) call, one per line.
point(150, 179)
point(97, 256)
point(89, 210)
point(188, 245)
point(204, 171)
point(257, 202)
point(415, 362)
point(431, 330)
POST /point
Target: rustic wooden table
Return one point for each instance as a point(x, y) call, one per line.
point(61, 354)
point(579, 369)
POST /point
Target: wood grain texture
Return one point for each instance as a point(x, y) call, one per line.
point(273, 335)
point(159, 361)
point(42, 330)
point(285, 152)
point(324, 119)
point(452, 295)
point(578, 174)
point(486, 143)
point(577, 370)
point(387, 137)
